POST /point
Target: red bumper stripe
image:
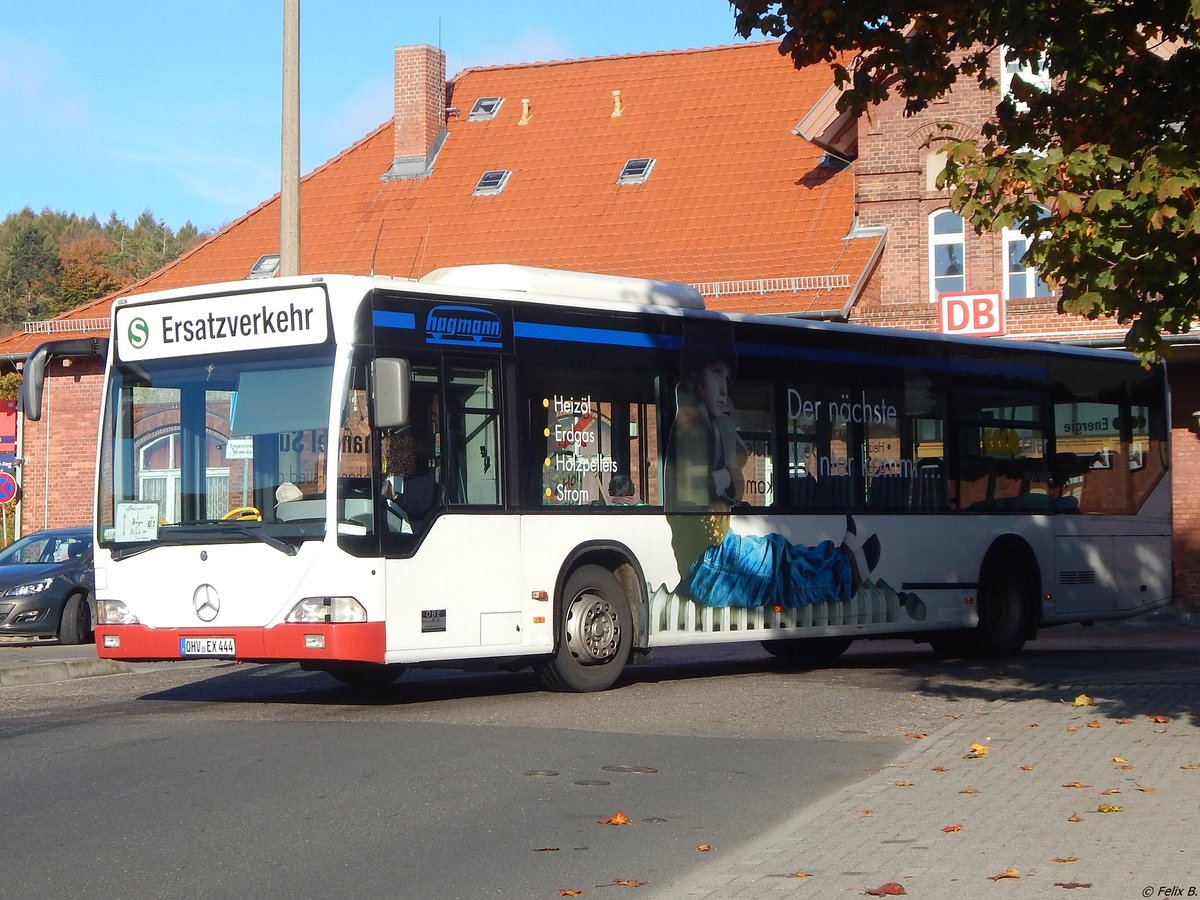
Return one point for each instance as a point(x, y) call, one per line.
point(347, 641)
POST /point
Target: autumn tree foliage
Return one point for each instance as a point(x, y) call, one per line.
point(51, 262)
point(1107, 144)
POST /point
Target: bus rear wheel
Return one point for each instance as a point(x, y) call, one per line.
point(595, 633)
point(816, 651)
point(1005, 610)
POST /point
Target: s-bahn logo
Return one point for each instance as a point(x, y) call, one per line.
point(138, 333)
point(464, 326)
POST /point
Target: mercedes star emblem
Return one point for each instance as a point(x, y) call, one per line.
point(206, 602)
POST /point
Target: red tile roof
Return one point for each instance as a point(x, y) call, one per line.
point(734, 194)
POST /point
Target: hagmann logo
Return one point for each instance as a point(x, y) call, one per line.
point(463, 326)
point(138, 333)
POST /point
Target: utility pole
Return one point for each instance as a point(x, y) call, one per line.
point(289, 167)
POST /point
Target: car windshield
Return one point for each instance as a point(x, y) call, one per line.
point(235, 443)
point(45, 548)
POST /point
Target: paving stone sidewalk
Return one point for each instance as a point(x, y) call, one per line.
point(1030, 804)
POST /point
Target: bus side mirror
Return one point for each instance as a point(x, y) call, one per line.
point(33, 372)
point(391, 393)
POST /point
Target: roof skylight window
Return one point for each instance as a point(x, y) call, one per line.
point(267, 266)
point(485, 109)
point(492, 182)
point(636, 171)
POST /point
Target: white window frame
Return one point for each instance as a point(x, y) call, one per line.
point(491, 182)
point(1034, 284)
point(1038, 76)
point(937, 241)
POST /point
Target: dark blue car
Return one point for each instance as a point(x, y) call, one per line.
point(47, 586)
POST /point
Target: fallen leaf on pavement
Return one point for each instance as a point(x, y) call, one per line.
point(868, 812)
point(1191, 766)
point(1082, 700)
point(1026, 768)
point(1146, 790)
point(800, 873)
point(902, 783)
point(1124, 767)
point(1124, 721)
point(1073, 884)
point(1076, 784)
point(975, 751)
point(617, 818)
point(1074, 817)
point(1064, 859)
point(704, 848)
point(968, 791)
point(627, 882)
point(1109, 808)
point(1119, 759)
point(891, 889)
point(1007, 873)
point(950, 829)
point(570, 892)
point(938, 769)
point(1072, 729)
point(916, 735)
point(1109, 792)
point(1159, 720)
point(1032, 725)
point(1095, 723)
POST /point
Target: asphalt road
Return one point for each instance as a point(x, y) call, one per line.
point(233, 781)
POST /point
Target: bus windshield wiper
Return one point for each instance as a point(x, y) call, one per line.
point(119, 553)
point(269, 539)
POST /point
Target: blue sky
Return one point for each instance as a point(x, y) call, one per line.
point(174, 106)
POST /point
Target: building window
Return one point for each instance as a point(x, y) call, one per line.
point(1020, 280)
point(1036, 75)
point(947, 271)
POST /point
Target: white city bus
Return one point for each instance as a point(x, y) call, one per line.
point(565, 471)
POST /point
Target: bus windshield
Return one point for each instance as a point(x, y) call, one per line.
point(232, 442)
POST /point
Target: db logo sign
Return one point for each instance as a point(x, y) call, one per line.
point(977, 314)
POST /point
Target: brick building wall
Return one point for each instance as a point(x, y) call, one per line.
point(58, 452)
point(1185, 480)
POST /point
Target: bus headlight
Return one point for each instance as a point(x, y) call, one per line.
point(327, 609)
point(114, 612)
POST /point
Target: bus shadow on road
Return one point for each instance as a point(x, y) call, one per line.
point(1130, 673)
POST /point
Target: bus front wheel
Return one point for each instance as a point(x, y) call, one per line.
point(364, 676)
point(595, 633)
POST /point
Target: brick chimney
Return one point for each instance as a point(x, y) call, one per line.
point(419, 126)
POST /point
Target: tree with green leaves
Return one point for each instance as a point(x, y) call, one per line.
point(52, 262)
point(1109, 144)
point(29, 269)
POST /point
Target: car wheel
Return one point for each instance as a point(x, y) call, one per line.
point(76, 624)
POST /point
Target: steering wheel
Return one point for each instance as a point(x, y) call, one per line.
point(243, 514)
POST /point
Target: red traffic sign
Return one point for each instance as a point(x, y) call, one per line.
point(8, 488)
